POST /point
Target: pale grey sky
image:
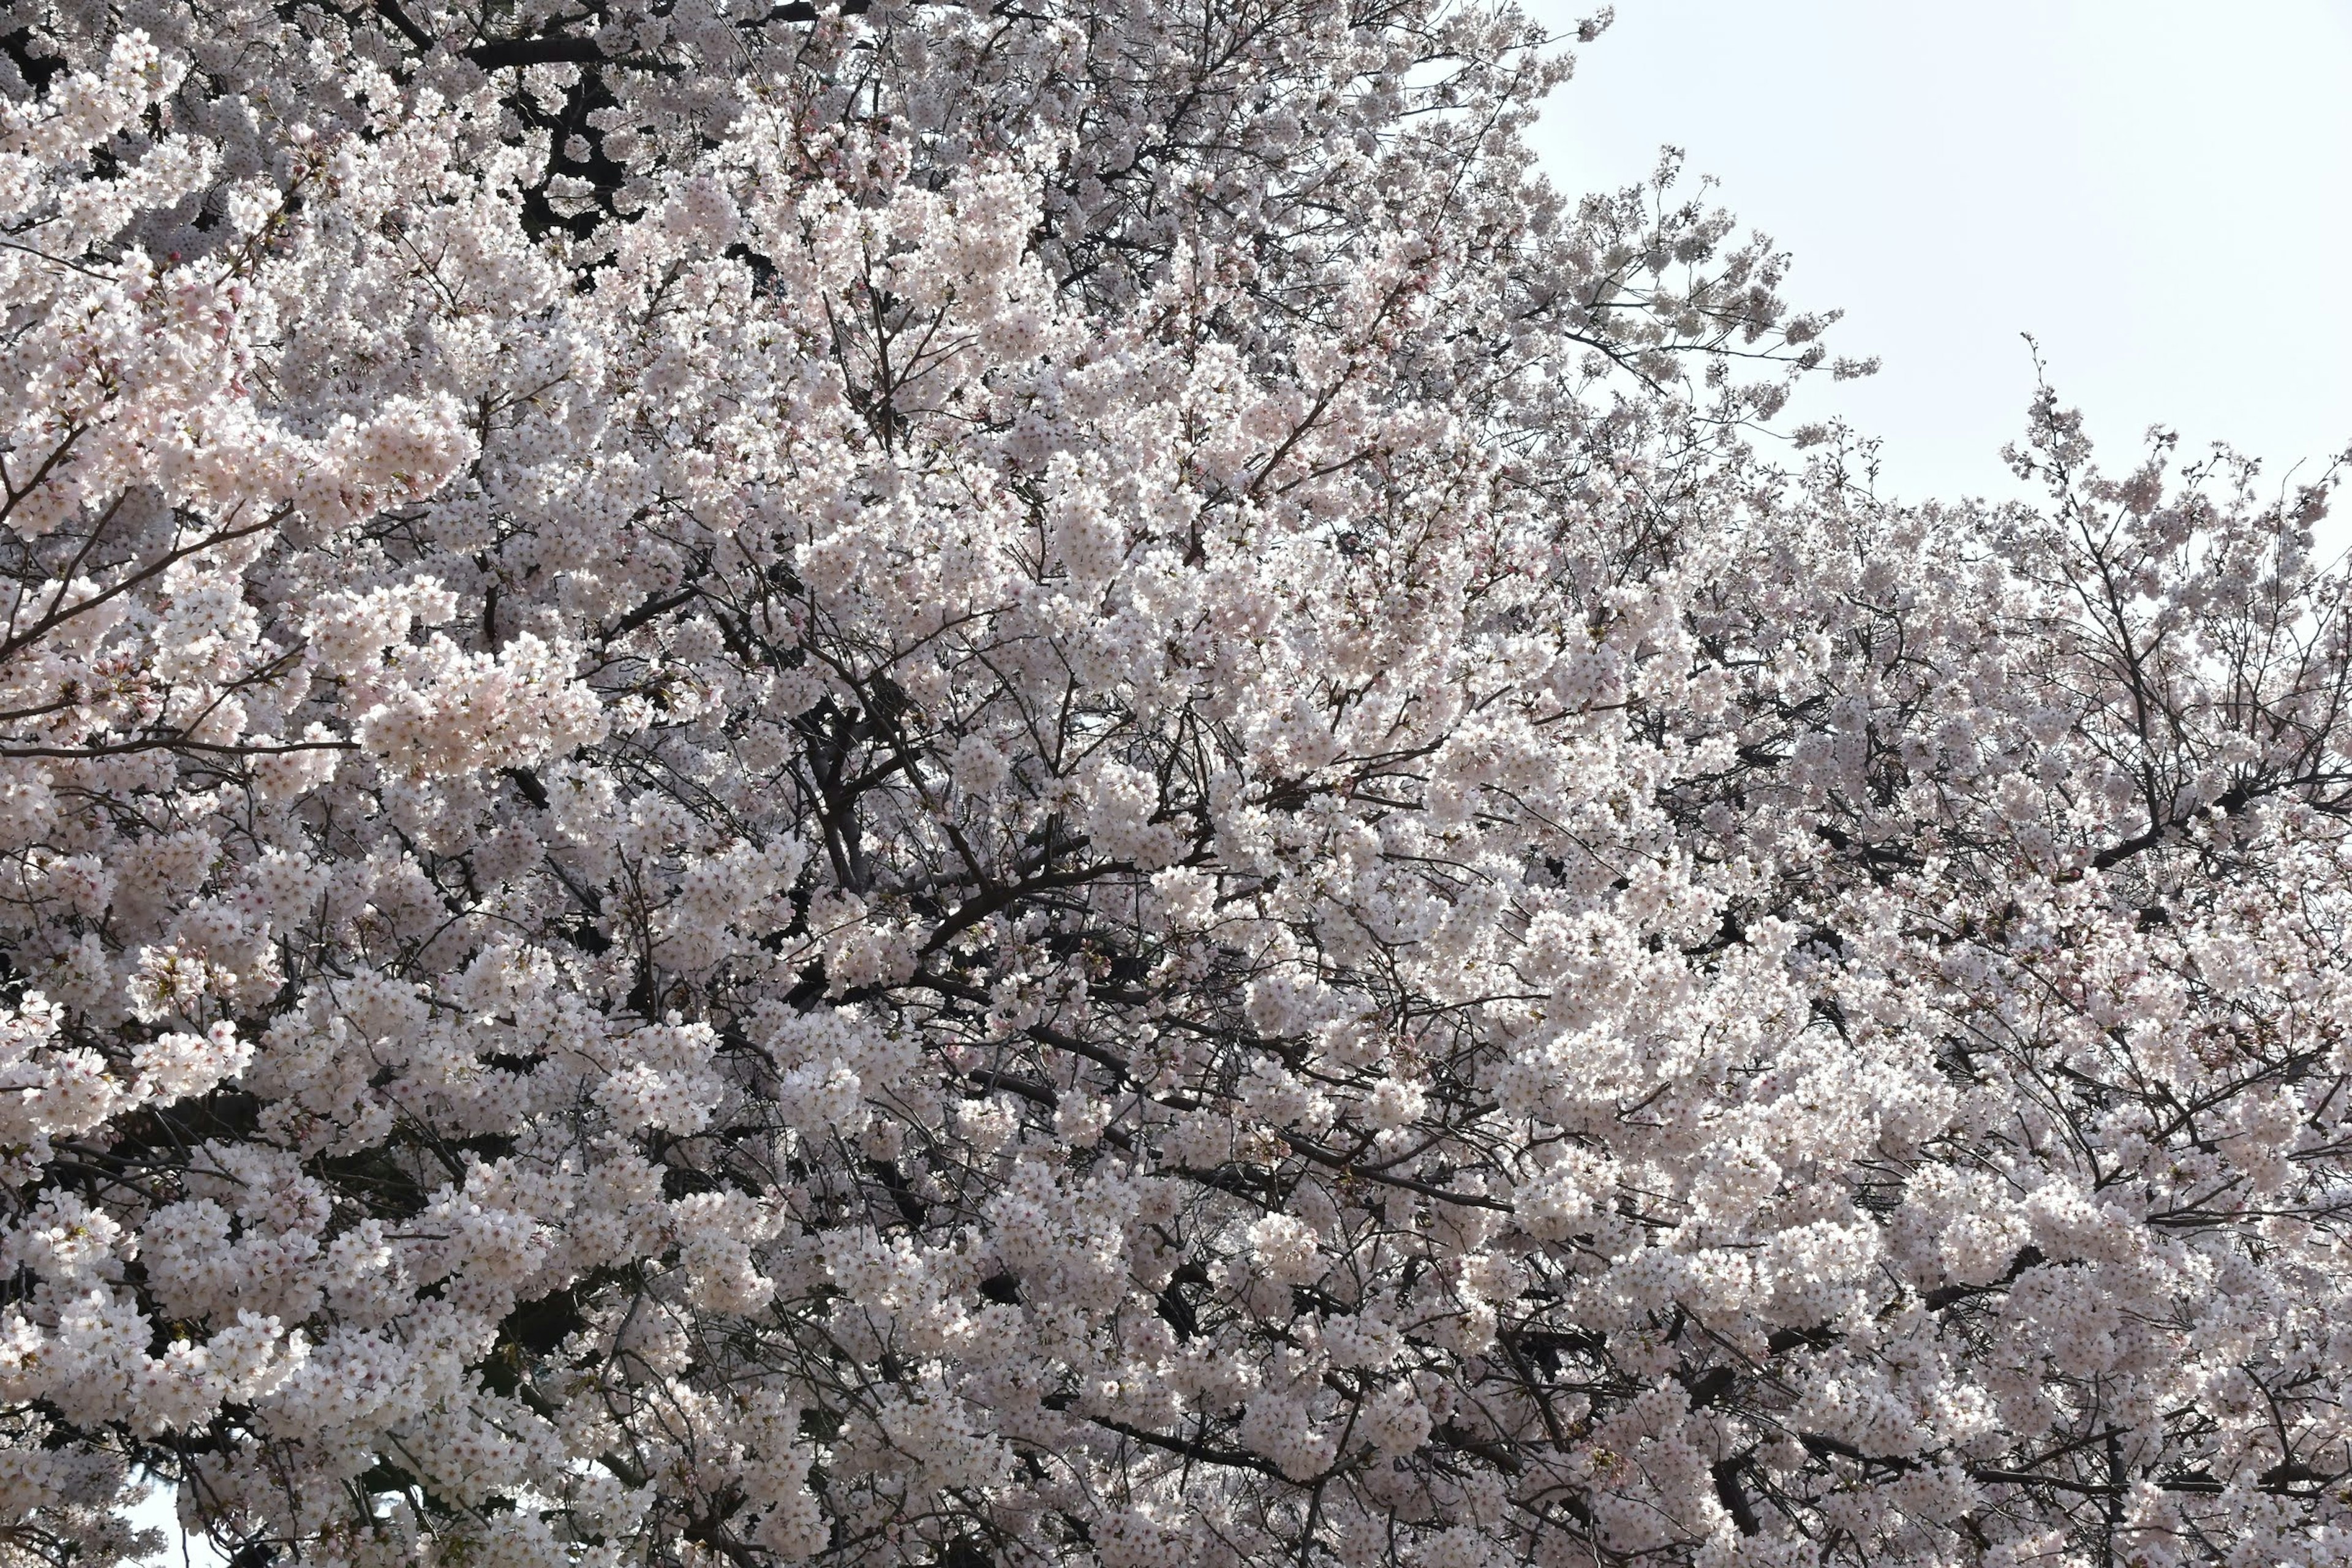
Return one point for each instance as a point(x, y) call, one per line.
point(2160, 192)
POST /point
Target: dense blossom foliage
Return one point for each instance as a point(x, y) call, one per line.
point(1047, 784)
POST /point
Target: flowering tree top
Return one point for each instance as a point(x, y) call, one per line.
point(1047, 784)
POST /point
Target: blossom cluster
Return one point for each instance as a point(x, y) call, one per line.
point(917, 783)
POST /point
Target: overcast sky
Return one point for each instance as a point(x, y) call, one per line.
point(2158, 191)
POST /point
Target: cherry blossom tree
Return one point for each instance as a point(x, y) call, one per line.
point(987, 785)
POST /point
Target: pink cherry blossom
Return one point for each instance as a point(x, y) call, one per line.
point(1051, 784)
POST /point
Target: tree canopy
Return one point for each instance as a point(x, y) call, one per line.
point(1047, 782)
